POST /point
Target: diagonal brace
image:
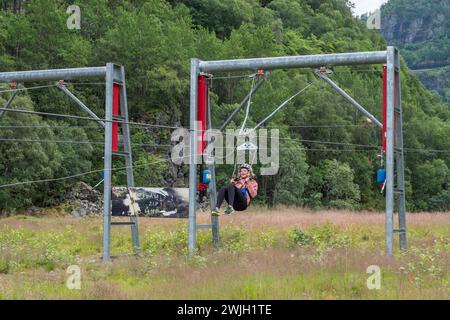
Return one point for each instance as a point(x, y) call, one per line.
point(243, 102)
point(80, 103)
point(349, 98)
point(8, 103)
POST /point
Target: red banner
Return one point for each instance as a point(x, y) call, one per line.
point(202, 112)
point(115, 110)
point(384, 112)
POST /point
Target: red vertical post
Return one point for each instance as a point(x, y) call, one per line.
point(383, 147)
point(115, 125)
point(202, 112)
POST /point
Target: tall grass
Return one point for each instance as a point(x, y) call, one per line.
point(264, 254)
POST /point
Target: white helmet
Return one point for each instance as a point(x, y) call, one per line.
point(246, 166)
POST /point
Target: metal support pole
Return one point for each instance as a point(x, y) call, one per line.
point(53, 74)
point(213, 200)
point(108, 164)
point(242, 104)
point(390, 65)
point(8, 103)
point(399, 155)
point(111, 73)
point(212, 188)
point(128, 157)
point(349, 98)
point(80, 103)
point(192, 229)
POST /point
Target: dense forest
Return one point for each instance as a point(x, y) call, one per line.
point(329, 152)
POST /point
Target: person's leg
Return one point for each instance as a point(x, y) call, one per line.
point(240, 203)
point(221, 195)
point(231, 194)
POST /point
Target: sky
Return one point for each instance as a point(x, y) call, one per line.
point(363, 6)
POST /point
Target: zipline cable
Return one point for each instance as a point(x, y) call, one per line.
point(373, 147)
point(29, 88)
point(234, 77)
point(97, 127)
point(80, 174)
point(330, 126)
point(249, 102)
point(56, 127)
point(59, 115)
point(48, 127)
point(85, 83)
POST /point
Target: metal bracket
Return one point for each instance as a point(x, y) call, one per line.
point(247, 145)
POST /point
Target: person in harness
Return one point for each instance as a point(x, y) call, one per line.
point(238, 193)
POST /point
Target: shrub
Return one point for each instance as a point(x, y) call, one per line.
point(234, 239)
point(300, 238)
point(4, 266)
point(331, 185)
point(326, 235)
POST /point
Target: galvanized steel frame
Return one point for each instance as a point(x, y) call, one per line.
point(390, 57)
point(112, 73)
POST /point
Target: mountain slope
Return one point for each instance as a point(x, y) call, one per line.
point(421, 28)
point(328, 152)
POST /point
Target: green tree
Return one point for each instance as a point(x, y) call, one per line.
point(155, 41)
point(431, 181)
point(332, 183)
point(30, 160)
point(288, 185)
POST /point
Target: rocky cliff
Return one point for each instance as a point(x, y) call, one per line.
point(421, 29)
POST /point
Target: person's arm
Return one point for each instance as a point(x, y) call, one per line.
point(239, 183)
point(252, 187)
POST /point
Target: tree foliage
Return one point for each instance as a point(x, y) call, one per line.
point(328, 152)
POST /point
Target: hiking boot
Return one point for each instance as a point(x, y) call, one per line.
point(229, 210)
point(215, 212)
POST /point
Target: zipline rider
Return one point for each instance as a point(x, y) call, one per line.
point(238, 193)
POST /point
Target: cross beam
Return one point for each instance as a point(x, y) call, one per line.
point(311, 61)
point(53, 74)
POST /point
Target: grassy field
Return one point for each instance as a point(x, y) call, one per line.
point(278, 254)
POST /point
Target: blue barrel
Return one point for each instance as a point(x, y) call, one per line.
point(206, 176)
point(381, 175)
